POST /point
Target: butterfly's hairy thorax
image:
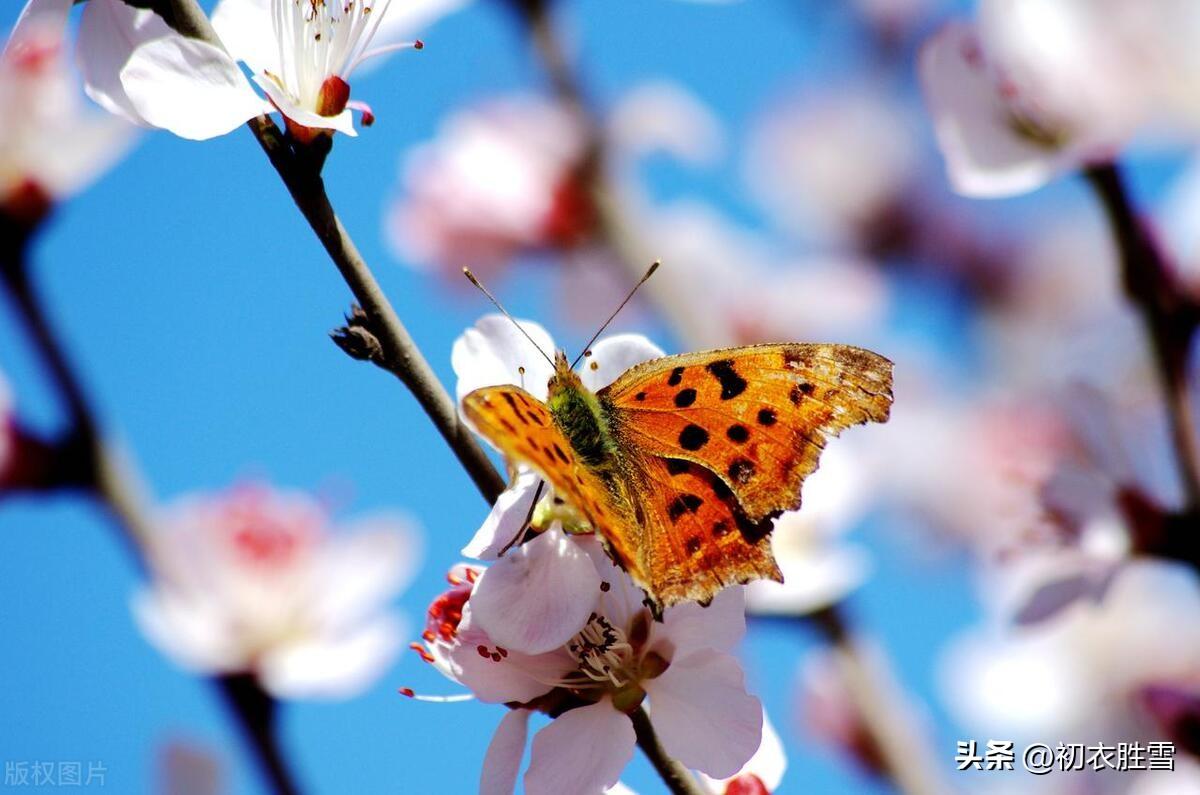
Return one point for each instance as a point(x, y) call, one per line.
point(580, 416)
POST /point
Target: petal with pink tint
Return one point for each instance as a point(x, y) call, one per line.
point(39, 17)
point(189, 87)
point(191, 632)
point(985, 155)
point(536, 597)
point(502, 762)
point(690, 627)
point(583, 750)
point(495, 674)
point(703, 714)
point(767, 765)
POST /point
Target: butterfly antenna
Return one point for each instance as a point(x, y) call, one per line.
point(649, 272)
point(475, 281)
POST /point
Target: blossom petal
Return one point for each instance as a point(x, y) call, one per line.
point(358, 571)
point(538, 596)
point(768, 764)
point(584, 750)
point(39, 18)
point(985, 155)
point(690, 627)
point(189, 87)
point(495, 676)
point(507, 518)
point(190, 631)
point(492, 352)
point(109, 33)
point(614, 355)
point(245, 28)
point(283, 102)
point(703, 714)
point(332, 666)
point(502, 762)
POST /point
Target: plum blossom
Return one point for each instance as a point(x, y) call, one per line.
point(1035, 88)
point(818, 570)
point(303, 54)
point(500, 179)
point(617, 658)
point(49, 146)
point(1094, 670)
point(495, 352)
point(1025, 94)
point(8, 431)
point(255, 581)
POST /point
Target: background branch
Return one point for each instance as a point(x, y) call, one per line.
point(1170, 320)
point(113, 481)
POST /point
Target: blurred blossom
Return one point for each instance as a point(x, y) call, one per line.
point(896, 18)
point(302, 54)
point(257, 581)
point(1036, 88)
point(832, 167)
point(1108, 496)
point(1063, 286)
point(494, 352)
point(189, 769)
point(8, 432)
point(500, 180)
point(1083, 674)
point(49, 146)
point(662, 116)
point(735, 282)
point(970, 469)
point(818, 569)
point(1184, 780)
point(617, 657)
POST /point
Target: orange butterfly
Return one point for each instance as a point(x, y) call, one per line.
point(682, 463)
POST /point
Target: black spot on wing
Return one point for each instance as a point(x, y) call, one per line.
point(738, 433)
point(766, 417)
point(732, 384)
point(684, 503)
point(685, 398)
point(676, 466)
point(676, 377)
point(693, 437)
point(741, 470)
point(693, 544)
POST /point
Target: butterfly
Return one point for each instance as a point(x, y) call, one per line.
point(681, 465)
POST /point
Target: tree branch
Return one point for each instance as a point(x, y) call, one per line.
point(1170, 319)
point(677, 778)
point(902, 752)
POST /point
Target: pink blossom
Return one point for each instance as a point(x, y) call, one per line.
point(49, 147)
point(616, 658)
point(500, 180)
point(256, 581)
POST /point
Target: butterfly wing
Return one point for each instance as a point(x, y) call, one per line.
point(521, 427)
point(758, 416)
point(693, 536)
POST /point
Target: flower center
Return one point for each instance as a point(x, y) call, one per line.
point(604, 653)
point(319, 39)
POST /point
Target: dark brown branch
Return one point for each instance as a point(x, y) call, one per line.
point(674, 775)
point(256, 713)
point(1170, 318)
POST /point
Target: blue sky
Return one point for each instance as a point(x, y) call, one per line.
point(196, 302)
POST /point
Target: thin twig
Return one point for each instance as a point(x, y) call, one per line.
point(674, 775)
point(257, 714)
point(1170, 320)
point(300, 171)
point(901, 749)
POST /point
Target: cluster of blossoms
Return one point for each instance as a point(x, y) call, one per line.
point(256, 581)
